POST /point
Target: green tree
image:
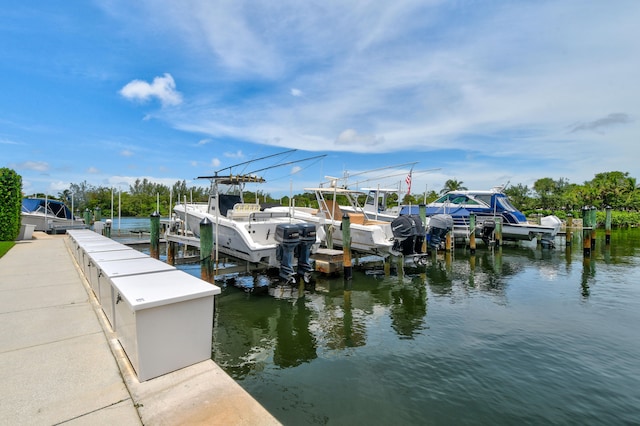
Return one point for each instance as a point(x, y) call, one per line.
point(453, 185)
point(520, 196)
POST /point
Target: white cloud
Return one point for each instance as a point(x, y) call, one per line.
point(351, 137)
point(215, 162)
point(237, 154)
point(296, 92)
point(163, 88)
point(93, 170)
point(38, 166)
point(126, 153)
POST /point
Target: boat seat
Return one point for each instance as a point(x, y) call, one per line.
point(242, 210)
point(354, 217)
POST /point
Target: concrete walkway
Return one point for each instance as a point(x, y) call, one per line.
point(60, 363)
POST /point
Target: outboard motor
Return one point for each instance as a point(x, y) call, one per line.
point(439, 226)
point(420, 233)
point(288, 237)
point(303, 249)
point(404, 230)
point(487, 230)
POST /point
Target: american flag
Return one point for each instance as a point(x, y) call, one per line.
point(408, 180)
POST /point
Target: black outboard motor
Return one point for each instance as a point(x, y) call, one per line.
point(303, 249)
point(288, 237)
point(420, 233)
point(404, 230)
point(487, 230)
point(439, 226)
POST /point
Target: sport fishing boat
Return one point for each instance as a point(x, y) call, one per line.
point(245, 231)
point(48, 215)
point(242, 229)
point(487, 205)
point(381, 237)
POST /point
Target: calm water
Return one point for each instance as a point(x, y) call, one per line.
point(521, 336)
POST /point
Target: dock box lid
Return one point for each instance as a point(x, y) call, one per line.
point(81, 233)
point(162, 288)
point(100, 246)
point(125, 253)
point(91, 239)
point(135, 266)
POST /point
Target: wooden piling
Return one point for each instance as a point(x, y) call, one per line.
point(423, 217)
point(171, 253)
point(87, 217)
point(346, 246)
point(607, 226)
point(594, 226)
point(498, 231)
point(586, 232)
point(472, 233)
point(568, 230)
point(154, 250)
point(206, 249)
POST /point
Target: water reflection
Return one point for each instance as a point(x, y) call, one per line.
point(285, 327)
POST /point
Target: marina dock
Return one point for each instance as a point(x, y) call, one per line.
point(61, 363)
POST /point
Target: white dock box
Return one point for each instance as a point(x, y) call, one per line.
point(86, 248)
point(97, 258)
point(165, 320)
point(120, 268)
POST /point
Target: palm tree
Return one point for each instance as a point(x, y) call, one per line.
point(453, 185)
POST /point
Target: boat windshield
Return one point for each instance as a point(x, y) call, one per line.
point(485, 198)
point(457, 199)
point(505, 204)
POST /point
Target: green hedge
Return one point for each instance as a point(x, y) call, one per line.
point(10, 204)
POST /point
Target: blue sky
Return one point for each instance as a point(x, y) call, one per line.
point(482, 92)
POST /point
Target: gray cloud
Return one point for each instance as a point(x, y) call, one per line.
point(609, 120)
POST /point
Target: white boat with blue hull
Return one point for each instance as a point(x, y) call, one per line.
point(48, 215)
point(487, 205)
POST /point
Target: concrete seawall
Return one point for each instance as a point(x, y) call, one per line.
point(61, 363)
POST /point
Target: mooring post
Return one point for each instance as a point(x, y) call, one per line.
point(472, 233)
point(594, 226)
point(154, 250)
point(498, 232)
point(97, 213)
point(568, 229)
point(586, 232)
point(87, 217)
point(171, 253)
point(107, 228)
point(346, 246)
point(607, 227)
point(422, 209)
point(206, 248)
